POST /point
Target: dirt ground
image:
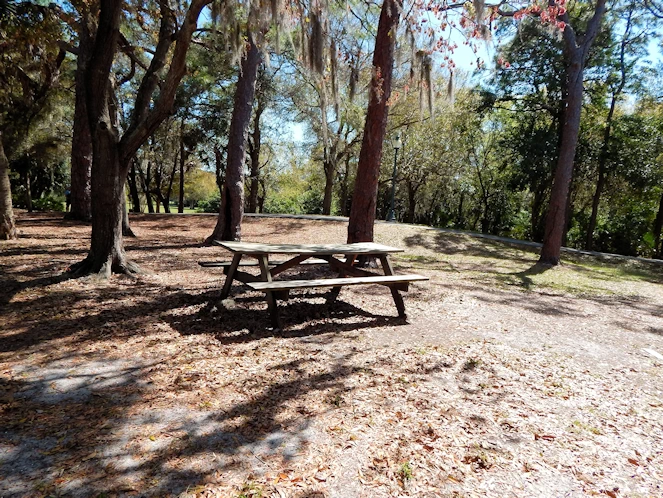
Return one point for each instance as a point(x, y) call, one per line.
point(506, 379)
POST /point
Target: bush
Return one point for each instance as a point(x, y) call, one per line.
point(282, 205)
point(49, 203)
point(210, 205)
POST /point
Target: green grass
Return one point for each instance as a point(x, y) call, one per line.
point(507, 266)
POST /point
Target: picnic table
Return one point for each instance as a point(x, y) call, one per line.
point(303, 254)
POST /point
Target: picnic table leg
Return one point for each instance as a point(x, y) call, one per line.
point(269, 296)
point(335, 291)
point(398, 299)
point(230, 276)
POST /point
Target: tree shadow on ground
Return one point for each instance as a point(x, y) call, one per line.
point(525, 276)
point(71, 425)
point(451, 244)
point(65, 434)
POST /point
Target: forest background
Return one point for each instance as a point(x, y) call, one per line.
point(478, 142)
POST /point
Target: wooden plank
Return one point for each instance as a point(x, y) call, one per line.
point(342, 266)
point(334, 282)
point(289, 264)
point(253, 248)
point(398, 299)
point(244, 277)
point(226, 264)
point(230, 276)
point(271, 300)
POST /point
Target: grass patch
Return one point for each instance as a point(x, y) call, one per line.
point(505, 266)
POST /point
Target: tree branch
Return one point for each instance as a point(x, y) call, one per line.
point(142, 128)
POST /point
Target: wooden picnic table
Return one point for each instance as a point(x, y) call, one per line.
point(311, 253)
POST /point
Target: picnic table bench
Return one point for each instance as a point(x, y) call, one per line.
point(302, 254)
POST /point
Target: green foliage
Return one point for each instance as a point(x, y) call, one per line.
point(210, 205)
point(297, 190)
point(49, 203)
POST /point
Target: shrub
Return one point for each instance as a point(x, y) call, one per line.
point(49, 203)
point(210, 205)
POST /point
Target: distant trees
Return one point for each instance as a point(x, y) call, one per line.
point(114, 149)
point(30, 61)
point(486, 161)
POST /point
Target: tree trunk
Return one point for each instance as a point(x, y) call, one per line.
point(169, 190)
point(600, 183)
point(145, 180)
point(126, 228)
point(229, 223)
point(330, 176)
point(219, 168)
point(28, 188)
point(556, 217)
point(253, 190)
point(133, 188)
point(459, 213)
point(575, 57)
point(180, 203)
point(108, 175)
point(345, 187)
point(106, 247)
point(7, 221)
point(81, 141)
point(261, 198)
point(537, 203)
point(411, 201)
point(658, 226)
point(364, 199)
point(255, 144)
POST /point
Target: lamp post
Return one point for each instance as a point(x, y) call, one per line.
point(391, 216)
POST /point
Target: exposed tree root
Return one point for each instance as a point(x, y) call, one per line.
point(8, 228)
point(72, 217)
point(104, 270)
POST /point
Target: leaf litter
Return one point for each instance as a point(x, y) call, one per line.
point(152, 387)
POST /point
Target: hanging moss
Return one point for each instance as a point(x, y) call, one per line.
point(451, 88)
point(354, 78)
point(316, 43)
point(333, 57)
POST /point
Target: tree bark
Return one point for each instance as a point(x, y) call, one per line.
point(575, 58)
point(7, 220)
point(81, 141)
point(126, 227)
point(364, 199)
point(600, 183)
point(133, 188)
point(330, 176)
point(229, 222)
point(219, 168)
point(411, 200)
point(180, 204)
point(145, 180)
point(255, 144)
point(556, 217)
point(658, 226)
point(28, 187)
point(345, 187)
point(169, 190)
point(108, 174)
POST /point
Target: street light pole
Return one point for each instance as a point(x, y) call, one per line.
point(391, 216)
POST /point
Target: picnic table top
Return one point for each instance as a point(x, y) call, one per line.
point(317, 249)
